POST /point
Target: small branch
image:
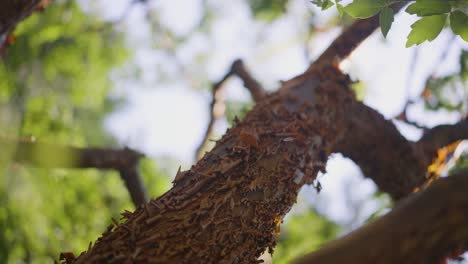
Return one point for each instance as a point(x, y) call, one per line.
point(47, 155)
point(427, 227)
point(254, 87)
point(348, 41)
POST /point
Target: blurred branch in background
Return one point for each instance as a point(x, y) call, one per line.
point(217, 105)
point(47, 155)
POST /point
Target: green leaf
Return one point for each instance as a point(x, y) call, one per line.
point(386, 19)
point(426, 28)
point(366, 8)
point(339, 7)
point(323, 4)
point(429, 7)
point(327, 4)
point(459, 24)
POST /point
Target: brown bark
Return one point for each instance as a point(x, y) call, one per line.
point(48, 155)
point(227, 208)
point(424, 228)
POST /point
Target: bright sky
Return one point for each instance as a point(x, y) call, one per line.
point(168, 104)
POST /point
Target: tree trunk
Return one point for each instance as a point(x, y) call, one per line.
point(228, 207)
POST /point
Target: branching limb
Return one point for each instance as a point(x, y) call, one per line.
point(48, 155)
point(217, 104)
point(348, 41)
point(382, 153)
point(427, 227)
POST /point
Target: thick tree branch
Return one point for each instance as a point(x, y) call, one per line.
point(47, 155)
point(227, 208)
point(426, 227)
point(217, 104)
point(382, 153)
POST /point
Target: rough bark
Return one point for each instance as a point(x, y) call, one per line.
point(425, 228)
point(228, 207)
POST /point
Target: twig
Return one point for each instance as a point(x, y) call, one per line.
point(255, 89)
point(47, 155)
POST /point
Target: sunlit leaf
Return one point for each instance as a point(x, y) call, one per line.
point(426, 28)
point(366, 8)
point(429, 7)
point(386, 19)
point(459, 24)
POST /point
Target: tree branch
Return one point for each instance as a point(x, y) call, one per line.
point(255, 89)
point(47, 155)
point(426, 227)
point(350, 39)
point(382, 153)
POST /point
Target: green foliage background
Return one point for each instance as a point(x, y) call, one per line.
point(54, 87)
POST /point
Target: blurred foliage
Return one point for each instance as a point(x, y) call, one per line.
point(432, 16)
point(301, 234)
point(268, 10)
point(449, 92)
point(54, 86)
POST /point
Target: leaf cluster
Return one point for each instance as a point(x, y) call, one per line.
point(433, 16)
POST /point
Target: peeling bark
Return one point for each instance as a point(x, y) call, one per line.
point(228, 207)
